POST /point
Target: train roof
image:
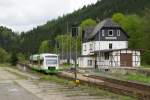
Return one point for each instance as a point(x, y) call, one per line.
point(41, 56)
point(48, 54)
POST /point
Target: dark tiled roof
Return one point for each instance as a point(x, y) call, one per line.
point(105, 23)
point(90, 32)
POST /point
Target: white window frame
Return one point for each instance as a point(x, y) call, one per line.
point(103, 32)
point(112, 33)
point(111, 46)
point(118, 32)
point(91, 46)
point(84, 47)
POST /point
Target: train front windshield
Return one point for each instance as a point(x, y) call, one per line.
point(51, 60)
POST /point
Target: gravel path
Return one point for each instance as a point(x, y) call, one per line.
point(9, 90)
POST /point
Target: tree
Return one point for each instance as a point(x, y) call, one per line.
point(44, 47)
point(3, 55)
point(88, 23)
point(118, 17)
point(131, 24)
point(65, 42)
point(21, 57)
point(14, 59)
point(145, 42)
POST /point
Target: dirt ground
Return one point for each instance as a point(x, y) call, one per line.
point(15, 87)
point(10, 90)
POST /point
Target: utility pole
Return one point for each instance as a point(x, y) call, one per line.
point(68, 60)
point(70, 49)
point(75, 34)
point(62, 49)
point(99, 59)
point(76, 54)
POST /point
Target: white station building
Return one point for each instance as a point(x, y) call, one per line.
point(106, 45)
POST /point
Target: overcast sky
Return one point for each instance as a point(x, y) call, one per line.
point(23, 15)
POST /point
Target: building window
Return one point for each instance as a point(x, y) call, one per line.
point(89, 62)
point(91, 47)
point(106, 56)
point(84, 47)
point(110, 46)
point(110, 32)
point(118, 32)
point(103, 32)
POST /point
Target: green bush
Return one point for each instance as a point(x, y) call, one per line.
point(3, 55)
point(14, 59)
point(146, 58)
point(21, 57)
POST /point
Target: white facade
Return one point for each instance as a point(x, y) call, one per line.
point(89, 47)
point(104, 45)
point(113, 59)
point(86, 62)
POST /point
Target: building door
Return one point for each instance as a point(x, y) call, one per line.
point(126, 59)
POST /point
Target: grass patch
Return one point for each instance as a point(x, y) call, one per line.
point(145, 66)
point(137, 77)
point(56, 79)
point(5, 65)
point(64, 66)
point(128, 75)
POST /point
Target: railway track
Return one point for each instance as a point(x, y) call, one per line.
point(130, 88)
point(126, 87)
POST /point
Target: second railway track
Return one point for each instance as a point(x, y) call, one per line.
point(142, 91)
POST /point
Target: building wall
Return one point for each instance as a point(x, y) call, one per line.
point(101, 62)
point(83, 62)
point(136, 56)
point(89, 47)
point(114, 57)
point(136, 59)
point(104, 45)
